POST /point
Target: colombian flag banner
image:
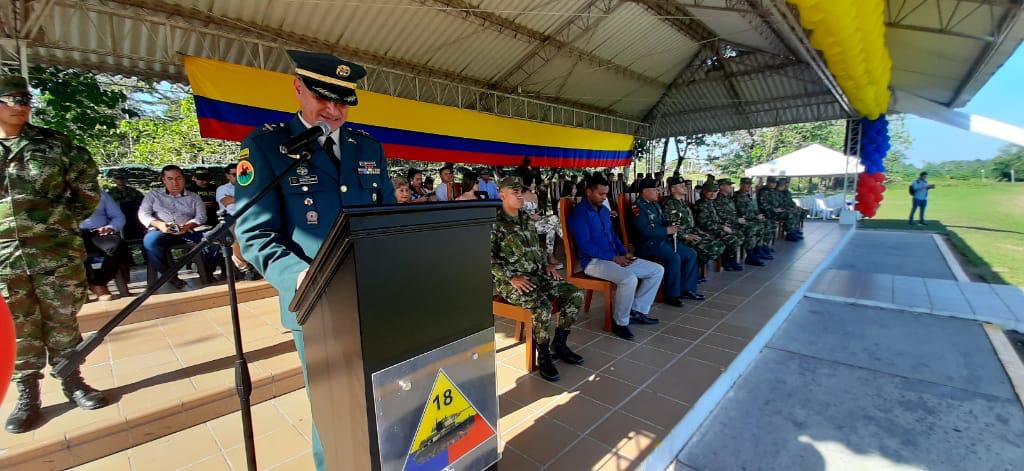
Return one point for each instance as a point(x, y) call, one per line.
point(232, 100)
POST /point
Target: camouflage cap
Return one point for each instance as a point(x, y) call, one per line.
point(673, 181)
point(746, 181)
point(783, 181)
point(510, 182)
point(709, 187)
point(724, 181)
point(11, 84)
point(771, 180)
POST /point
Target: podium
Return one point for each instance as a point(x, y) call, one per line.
point(399, 338)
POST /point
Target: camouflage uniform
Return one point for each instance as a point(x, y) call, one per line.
point(677, 213)
point(709, 221)
point(770, 199)
point(51, 184)
point(746, 206)
point(515, 250)
point(787, 203)
point(750, 231)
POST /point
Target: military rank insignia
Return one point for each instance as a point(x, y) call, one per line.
point(244, 154)
point(636, 210)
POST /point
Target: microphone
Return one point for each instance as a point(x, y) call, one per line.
point(292, 145)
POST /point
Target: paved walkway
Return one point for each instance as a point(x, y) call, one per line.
point(863, 376)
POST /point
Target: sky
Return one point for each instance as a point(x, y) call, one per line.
point(1001, 98)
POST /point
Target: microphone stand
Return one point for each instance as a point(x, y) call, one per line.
point(220, 235)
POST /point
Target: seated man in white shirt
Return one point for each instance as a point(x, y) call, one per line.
point(447, 190)
point(171, 216)
point(226, 201)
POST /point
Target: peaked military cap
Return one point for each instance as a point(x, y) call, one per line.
point(709, 187)
point(647, 183)
point(672, 181)
point(724, 181)
point(746, 181)
point(328, 77)
point(10, 84)
point(510, 182)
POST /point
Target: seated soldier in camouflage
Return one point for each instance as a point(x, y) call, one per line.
point(746, 206)
point(796, 213)
point(522, 277)
point(709, 221)
point(770, 201)
point(677, 213)
point(749, 231)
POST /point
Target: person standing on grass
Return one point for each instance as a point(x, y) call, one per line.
point(919, 193)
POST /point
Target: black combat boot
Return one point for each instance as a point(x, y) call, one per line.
point(753, 260)
point(26, 411)
point(561, 351)
point(545, 364)
point(82, 394)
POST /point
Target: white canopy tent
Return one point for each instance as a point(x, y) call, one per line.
point(814, 160)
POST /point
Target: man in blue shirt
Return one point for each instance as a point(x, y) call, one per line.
point(603, 256)
point(486, 184)
point(919, 190)
point(102, 234)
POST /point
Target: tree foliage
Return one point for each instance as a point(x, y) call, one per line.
point(1010, 157)
point(173, 138)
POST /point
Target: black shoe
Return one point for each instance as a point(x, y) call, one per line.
point(83, 395)
point(622, 331)
point(792, 237)
point(176, 283)
point(694, 296)
point(764, 253)
point(26, 411)
point(668, 300)
point(545, 365)
point(560, 350)
point(702, 279)
point(642, 319)
point(752, 260)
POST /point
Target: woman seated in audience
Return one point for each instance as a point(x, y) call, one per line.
point(546, 226)
point(402, 192)
point(418, 192)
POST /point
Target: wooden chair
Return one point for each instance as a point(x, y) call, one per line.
point(524, 327)
point(587, 283)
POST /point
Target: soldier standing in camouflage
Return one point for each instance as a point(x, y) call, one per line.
point(749, 230)
point(523, 277)
point(678, 214)
point(51, 184)
point(746, 206)
point(709, 221)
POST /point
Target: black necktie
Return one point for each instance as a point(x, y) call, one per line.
point(329, 147)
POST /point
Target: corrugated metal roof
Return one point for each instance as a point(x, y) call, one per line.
point(630, 64)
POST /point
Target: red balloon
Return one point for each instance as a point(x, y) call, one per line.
point(879, 177)
point(880, 197)
point(882, 190)
point(8, 347)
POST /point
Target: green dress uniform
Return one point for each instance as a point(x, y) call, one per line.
point(653, 242)
point(678, 213)
point(283, 232)
point(515, 251)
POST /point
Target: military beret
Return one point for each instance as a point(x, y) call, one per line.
point(771, 180)
point(724, 181)
point(10, 84)
point(709, 187)
point(647, 183)
point(328, 77)
point(746, 181)
point(675, 181)
point(510, 182)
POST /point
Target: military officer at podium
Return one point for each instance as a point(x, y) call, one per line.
point(523, 277)
point(284, 230)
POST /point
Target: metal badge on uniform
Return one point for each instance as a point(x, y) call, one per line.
point(349, 139)
point(302, 171)
point(312, 217)
point(303, 180)
point(344, 188)
point(308, 202)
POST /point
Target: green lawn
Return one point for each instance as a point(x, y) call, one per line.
point(984, 222)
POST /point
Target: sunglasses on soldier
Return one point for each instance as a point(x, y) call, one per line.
point(16, 100)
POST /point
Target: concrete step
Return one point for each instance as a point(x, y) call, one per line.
point(96, 313)
point(162, 376)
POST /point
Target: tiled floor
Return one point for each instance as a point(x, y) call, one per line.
point(162, 376)
point(611, 412)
